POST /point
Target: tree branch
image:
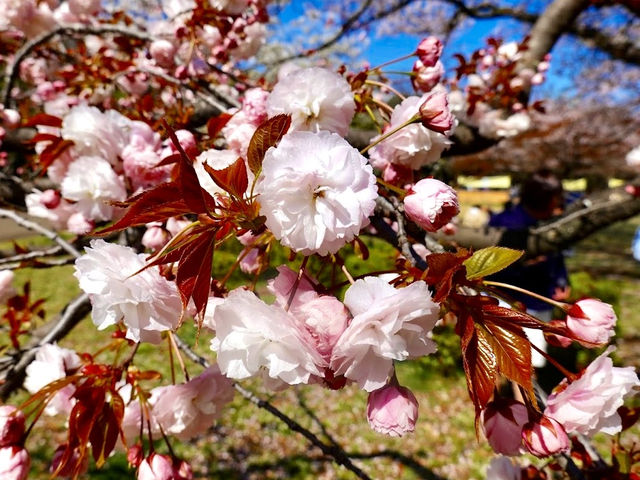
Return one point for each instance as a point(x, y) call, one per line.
point(51, 235)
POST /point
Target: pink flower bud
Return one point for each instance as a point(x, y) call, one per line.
point(392, 410)
point(50, 198)
point(425, 78)
point(79, 225)
point(156, 467)
point(183, 471)
point(14, 463)
point(591, 322)
point(435, 114)
point(545, 437)
point(429, 51)
point(10, 118)
point(502, 422)
point(163, 52)
point(431, 204)
point(11, 425)
point(155, 237)
point(135, 455)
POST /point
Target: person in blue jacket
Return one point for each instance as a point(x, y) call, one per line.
point(541, 198)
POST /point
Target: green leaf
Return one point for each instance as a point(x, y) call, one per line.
point(490, 260)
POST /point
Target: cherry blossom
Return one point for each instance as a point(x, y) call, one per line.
point(189, 409)
point(11, 425)
point(316, 192)
point(316, 98)
point(502, 422)
point(388, 324)
point(431, 204)
point(252, 336)
point(545, 437)
point(589, 404)
point(591, 322)
point(413, 146)
point(52, 363)
point(14, 463)
point(146, 302)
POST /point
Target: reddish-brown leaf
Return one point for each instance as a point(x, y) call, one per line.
point(444, 270)
point(194, 272)
point(232, 179)
point(512, 351)
point(43, 119)
point(198, 199)
point(52, 152)
point(157, 204)
point(267, 135)
point(106, 428)
point(217, 123)
point(479, 363)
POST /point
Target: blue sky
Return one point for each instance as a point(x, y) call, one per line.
point(382, 49)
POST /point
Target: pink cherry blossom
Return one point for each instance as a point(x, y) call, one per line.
point(252, 336)
point(78, 224)
point(95, 133)
point(156, 467)
point(189, 409)
point(316, 192)
point(429, 50)
point(324, 317)
point(155, 237)
point(431, 204)
point(316, 98)
point(414, 146)
point(146, 302)
point(52, 363)
point(84, 7)
point(435, 114)
point(590, 404)
point(163, 52)
point(388, 324)
point(392, 410)
point(11, 425)
point(591, 322)
point(14, 463)
point(502, 422)
point(425, 78)
point(91, 183)
point(545, 437)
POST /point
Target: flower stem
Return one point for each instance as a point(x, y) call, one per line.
point(526, 292)
point(570, 376)
point(395, 60)
point(385, 87)
point(413, 119)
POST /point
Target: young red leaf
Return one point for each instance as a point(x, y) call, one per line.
point(217, 123)
point(194, 272)
point(512, 351)
point(479, 364)
point(106, 428)
point(267, 135)
point(157, 204)
point(232, 179)
point(43, 119)
point(198, 199)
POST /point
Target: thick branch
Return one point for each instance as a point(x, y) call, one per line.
point(581, 220)
point(51, 235)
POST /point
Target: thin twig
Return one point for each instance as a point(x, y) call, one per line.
point(335, 451)
point(21, 257)
point(50, 234)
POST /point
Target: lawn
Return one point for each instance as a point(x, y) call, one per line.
point(249, 443)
